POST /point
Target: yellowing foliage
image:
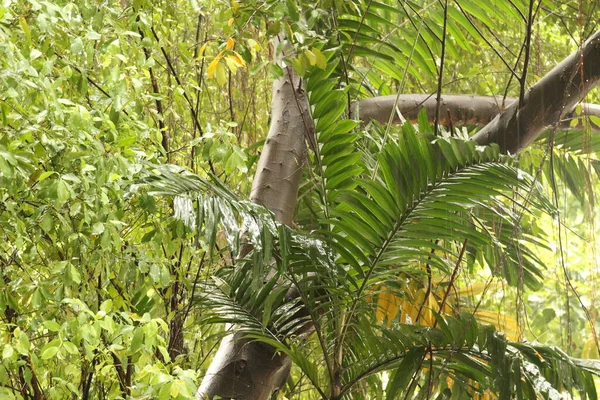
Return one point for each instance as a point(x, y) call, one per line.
point(212, 67)
point(230, 44)
point(202, 50)
point(388, 306)
point(416, 305)
point(233, 61)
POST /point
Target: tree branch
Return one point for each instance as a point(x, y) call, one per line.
point(547, 102)
point(456, 109)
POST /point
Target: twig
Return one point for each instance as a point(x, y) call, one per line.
point(452, 278)
point(511, 69)
point(171, 68)
point(527, 46)
point(441, 73)
point(159, 108)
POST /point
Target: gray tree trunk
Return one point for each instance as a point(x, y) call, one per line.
point(249, 370)
point(455, 109)
point(547, 101)
point(244, 369)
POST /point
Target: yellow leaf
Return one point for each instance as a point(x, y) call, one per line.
point(410, 312)
point(428, 309)
point(230, 21)
point(474, 289)
point(253, 44)
point(371, 294)
point(231, 64)
point(235, 5)
point(221, 74)
point(388, 306)
point(234, 61)
point(502, 321)
point(25, 27)
point(212, 67)
point(230, 43)
point(380, 310)
point(235, 57)
point(202, 50)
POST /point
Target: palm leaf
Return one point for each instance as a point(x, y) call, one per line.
point(448, 190)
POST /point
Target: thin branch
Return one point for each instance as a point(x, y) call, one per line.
point(512, 71)
point(441, 72)
point(452, 279)
point(518, 10)
point(527, 46)
point(360, 24)
point(230, 98)
point(195, 119)
point(429, 282)
point(159, 108)
point(176, 76)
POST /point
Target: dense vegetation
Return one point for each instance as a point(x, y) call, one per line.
point(413, 264)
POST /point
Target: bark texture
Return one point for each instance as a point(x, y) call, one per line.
point(547, 101)
point(281, 163)
point(244, 369)
point(455, 109)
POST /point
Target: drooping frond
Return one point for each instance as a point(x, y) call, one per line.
point(464, 359)
point(428, 199)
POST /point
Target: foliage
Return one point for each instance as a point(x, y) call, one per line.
point(371, 241)
point(111, 290)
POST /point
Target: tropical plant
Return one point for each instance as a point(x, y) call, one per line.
point(455, 209)
point(128, 130)
point(352, 218)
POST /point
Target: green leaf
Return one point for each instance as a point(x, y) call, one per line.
point(52, 326)
point(63, 192)
point(221, 74)
point(106, 306)
point(70, 347)
point(410, 363)
point(50, 350)
point(23, 346)
point(47, 223)
point(236, 161)
point(97, 228)
point(7, 351)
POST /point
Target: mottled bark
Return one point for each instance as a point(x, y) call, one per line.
point(244, 369)
point(283, 157)
point(455, 109)
point(547, 101)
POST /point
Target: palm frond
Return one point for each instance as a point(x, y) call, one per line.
point(464, 359)
point(447, 190)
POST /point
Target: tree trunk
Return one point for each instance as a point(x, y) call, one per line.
point(251, 370)
point(547, 101)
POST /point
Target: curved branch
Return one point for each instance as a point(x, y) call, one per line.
point(243, 368)
point(455, 109)
point(549, 100)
